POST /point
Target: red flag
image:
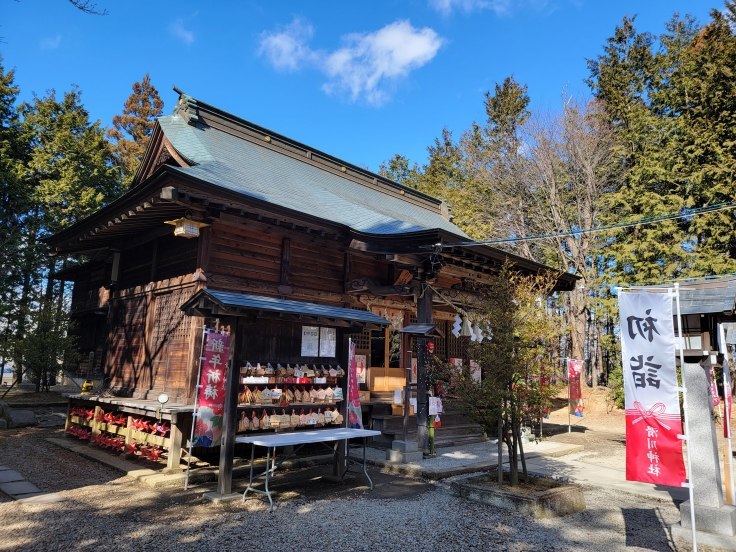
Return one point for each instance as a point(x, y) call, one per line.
point(653, 423)
point(574, 373)
point(211, 393)
point(727, 397)
point(355, 414)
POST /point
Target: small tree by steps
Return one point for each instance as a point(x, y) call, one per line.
point(517, 363)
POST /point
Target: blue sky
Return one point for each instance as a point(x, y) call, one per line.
point(359, 80)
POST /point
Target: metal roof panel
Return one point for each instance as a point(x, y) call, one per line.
point(260, 172)
point(288, 306)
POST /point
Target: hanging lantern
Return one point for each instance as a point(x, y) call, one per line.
point(186, 228)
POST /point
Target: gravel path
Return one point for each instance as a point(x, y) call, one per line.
point(101, 511)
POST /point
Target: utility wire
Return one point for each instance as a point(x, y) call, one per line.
point(639, 222)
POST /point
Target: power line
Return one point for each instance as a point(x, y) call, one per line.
point(639, 222)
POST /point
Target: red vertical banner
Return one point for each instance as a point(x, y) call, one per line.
point(712, 382)
point(727, 397)
point(211, 392)
point(653, 422)
point(574, 375)
point(355, 414)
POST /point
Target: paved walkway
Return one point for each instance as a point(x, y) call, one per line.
point(16, 487)
point(547, 458)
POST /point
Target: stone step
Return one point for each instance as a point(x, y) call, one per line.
point(468, 429)
point(385, 442)
point(387, 421)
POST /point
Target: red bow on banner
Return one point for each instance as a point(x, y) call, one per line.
point(654, 412)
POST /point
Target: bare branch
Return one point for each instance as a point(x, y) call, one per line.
point(87, 7)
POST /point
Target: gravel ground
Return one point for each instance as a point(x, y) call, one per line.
point(99, 510)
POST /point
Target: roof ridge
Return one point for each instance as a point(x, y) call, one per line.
point(188, 108)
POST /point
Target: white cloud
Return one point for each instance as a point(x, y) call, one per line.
point(499, 7)
point(179, 31)
point(288, 49)
point(368, 65)
point(50, 42)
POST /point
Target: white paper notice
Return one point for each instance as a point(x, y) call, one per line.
point(435, 406)
point(310, 341)
point(327, 342)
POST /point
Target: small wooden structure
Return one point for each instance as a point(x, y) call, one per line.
point(277, 219)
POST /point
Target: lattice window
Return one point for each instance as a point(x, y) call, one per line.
point(455, 346)
point(362, 340)
point(169, 319)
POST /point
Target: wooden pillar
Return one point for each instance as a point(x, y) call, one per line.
point(424, 316)
point(229, 418)
point(129, 431)
point(68, 420)
point(95, 421)
point(175, 441)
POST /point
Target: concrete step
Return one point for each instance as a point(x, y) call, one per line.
point(458, 430)
point(388, 421)
point(384, 441)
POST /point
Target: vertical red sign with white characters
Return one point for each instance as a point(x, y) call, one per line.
point(354, 412)
point(653, 422)
point(727, 397)
point(574, 375)
point(211, 393)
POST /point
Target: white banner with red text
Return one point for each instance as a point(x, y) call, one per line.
point(653, 421)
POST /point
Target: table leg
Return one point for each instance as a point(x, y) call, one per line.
point(365, 471)
point(347, 461)
point(268, 470)
point(250, 480)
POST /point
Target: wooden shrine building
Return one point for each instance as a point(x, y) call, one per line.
point(275, 219)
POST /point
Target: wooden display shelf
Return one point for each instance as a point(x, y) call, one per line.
point(148, 438)
point(81, 421)
point(128, 432)
point(290, 405)
point(112, 428)
point(287, 428)
point(276, 380)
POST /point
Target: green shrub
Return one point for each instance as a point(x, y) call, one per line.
point(616, 387)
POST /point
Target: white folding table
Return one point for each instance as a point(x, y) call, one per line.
point(299, 439)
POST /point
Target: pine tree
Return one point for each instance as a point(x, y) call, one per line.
point(15, 202)
point(14, 199)
point(133, 128)
point(397, 169)
point(71, 165)
point(493, 164)
point(626, 79)
point(702, 94)
point(69, 172)
point(672, 101)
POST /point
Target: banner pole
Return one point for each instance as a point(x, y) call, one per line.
point(347, 383)
point(681, 343)
point(205, 331)
point(569, 405)
point(723, 347)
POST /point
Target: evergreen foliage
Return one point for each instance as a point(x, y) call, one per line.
point(672, 104)
point(132, 129)
point(517, 364)
point(56, 167)
point(659, 138)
